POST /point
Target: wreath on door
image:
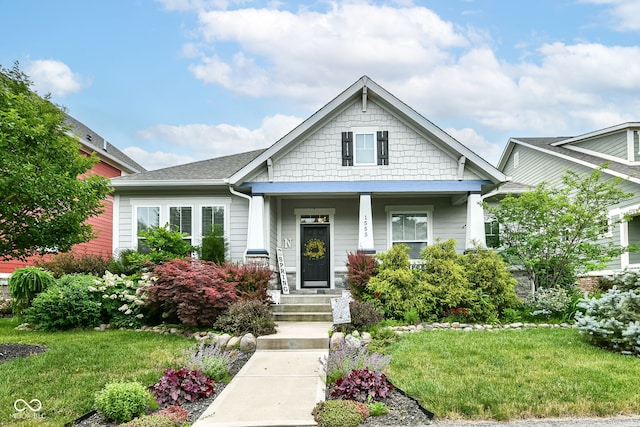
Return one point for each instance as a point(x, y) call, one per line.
point(315, 249)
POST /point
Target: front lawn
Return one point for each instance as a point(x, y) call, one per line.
point(76, 365)
point(514, 374)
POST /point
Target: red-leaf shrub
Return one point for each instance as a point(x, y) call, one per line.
point(360, 384)
point(192, 291)
point(360, 268)
point(178, 387)
point(251, 279)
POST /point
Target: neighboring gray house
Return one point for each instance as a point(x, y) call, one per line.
point(363, 173)
point(529, 161)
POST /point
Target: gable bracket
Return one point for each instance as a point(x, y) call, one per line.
point(270, 169)
point(461, 161)
point(364, 99)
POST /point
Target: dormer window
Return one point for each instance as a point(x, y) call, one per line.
point(365, 147)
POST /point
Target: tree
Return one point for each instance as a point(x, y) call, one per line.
point(556, 233)
point(46, 190)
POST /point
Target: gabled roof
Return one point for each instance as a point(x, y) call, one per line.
point(234, 169)
point(212, 171)
point(375, 92)
point(91, 141)
point(561, 147)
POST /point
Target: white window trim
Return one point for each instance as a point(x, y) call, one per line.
point(134, 222)
point(516, 159)
point(225, 224)
point(409, 209)
point(365, 131)
point(196, 204)
point(633, 210)
point(191, 236)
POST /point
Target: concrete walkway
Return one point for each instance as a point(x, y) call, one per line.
point(279, 385)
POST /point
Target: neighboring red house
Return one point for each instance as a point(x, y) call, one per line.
point(113, 163)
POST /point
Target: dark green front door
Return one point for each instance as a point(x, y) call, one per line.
point(315, 255)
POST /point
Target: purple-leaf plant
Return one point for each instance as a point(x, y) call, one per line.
point(361, 385)
point(184, 385)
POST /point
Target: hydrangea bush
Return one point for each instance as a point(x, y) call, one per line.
point(122, 299)
point(549, 302)
point(612, 321)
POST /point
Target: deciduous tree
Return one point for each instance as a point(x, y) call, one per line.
point(557, 232)
point(46, 190)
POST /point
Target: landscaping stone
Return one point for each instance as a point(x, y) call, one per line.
point(223, 340)
point(248, 343)
point(351, 341)
point(337, 341)
point(234, 342)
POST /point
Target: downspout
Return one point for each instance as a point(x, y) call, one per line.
point(244, 196)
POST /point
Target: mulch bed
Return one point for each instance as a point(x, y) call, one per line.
point(12, 351)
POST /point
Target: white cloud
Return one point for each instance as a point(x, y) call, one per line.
point(308, 52)
point(210, 141)
point(477, 143)
point(446, 72)
point(156, 159)
point(55, 77)
point(624, 13)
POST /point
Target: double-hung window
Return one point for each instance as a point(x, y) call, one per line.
point(492, 234)
point(411, 228)
point(212, 219)
point(180, 219)
point(147, 217)
point(365, 149)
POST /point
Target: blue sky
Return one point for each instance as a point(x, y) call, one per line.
point(175, 81)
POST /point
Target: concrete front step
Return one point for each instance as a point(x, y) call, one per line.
point(303, 317)
point(301, 308)
point(306, 299)
point(297, 336)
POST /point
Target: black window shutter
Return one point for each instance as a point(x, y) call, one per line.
point(347, 148)
point(383, 147)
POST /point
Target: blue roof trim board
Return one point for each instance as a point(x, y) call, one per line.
point(351, 187)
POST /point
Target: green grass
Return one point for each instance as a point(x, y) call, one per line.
point(506, 375)
point(76, 365)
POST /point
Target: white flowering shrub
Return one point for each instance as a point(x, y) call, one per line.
point(122, 299)
point(549, 302)
point(612, 321)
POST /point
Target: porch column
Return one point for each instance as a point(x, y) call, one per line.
point(365, 233)
point(475, 222)
point(256, 247)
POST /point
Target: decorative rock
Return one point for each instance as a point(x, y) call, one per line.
point(355, 334)
point(366, 338)
point(233, 343)
point(248, 343)
point(223, 340)
point(337, 341)
point(352, 342)
point(517, 325)
point(455, 325)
